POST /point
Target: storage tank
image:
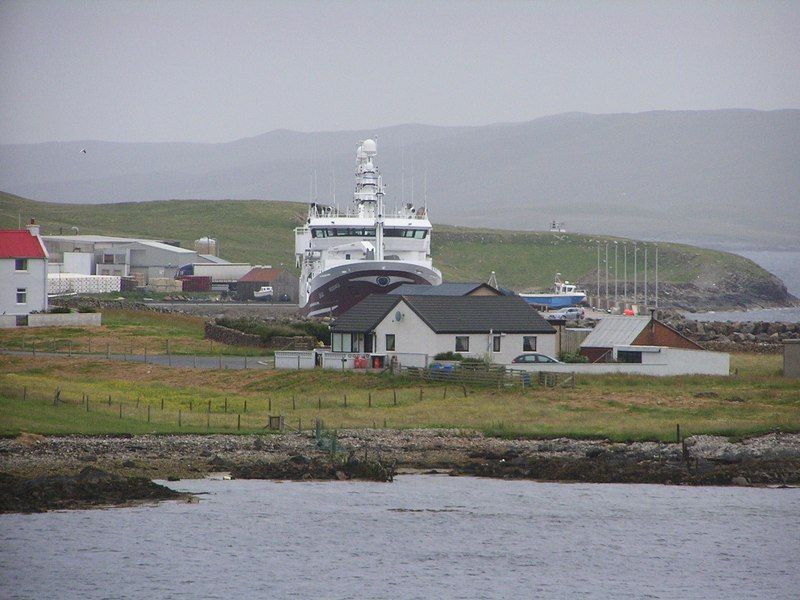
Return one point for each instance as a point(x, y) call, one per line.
point(206, 245)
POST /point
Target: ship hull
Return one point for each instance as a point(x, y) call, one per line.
point(554, 301)
point(338, 289)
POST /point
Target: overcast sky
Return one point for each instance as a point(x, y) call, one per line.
point(223, 70)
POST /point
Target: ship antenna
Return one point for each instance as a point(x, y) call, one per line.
point(425, 190)
point(402, 170)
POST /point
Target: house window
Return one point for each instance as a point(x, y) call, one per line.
point(496, 343)
point(20, 264)
point(390, 342)
point(22, 295)
point(529, 343)
point(629, 356)
point(462, 343)
point(342, 342)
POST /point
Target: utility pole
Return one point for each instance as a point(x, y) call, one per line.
point(635, 273)
point(598, 273)
point(616, 277)
point(656, 291)
point(625, 284)
point(645, 277)
point(606, 275)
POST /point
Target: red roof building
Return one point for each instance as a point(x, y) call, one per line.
point(20, 243)
point(285, 286)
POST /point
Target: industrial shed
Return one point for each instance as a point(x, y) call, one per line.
point(284, 284)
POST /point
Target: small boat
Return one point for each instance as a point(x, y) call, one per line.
point(564, 294)
point(263, 293)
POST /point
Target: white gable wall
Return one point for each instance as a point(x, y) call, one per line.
point(412, 335)
point(33, 280)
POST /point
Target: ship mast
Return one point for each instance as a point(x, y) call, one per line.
point(368, 196)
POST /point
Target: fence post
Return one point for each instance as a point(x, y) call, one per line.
point(369, 399)
point(109, 399)
point(120, 410)
point(678, 433)
point(33, 348)
point(90, 345)
point(194, 360)
point(444, 395)
point(69, 348)
point(148, 413)
point(319, 403)
point(245, 405)
point(420, 394)
point(220, 361)
point(145, 354)
point(191, 405)
point(169, 355)
point(108, 350)
point(269, 404)
point(293, 406)
point(179, 417)
point(208, 420)
point(238, 422)
point(209, 406)
point(245, 362)
point(162, 404)
point(226, 404)
point(24, 393)
point(345, 400)
point(394, 393)
point(464, 389)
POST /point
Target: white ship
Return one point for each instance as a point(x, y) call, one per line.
point(346, 255)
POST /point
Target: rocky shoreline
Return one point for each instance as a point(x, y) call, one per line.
point(772, 459)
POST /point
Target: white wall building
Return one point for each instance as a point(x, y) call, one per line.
point(496, 328)
point(23, 272)
point(123, 257)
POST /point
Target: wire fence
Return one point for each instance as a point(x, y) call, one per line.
point(295, 412)
point(491, 376)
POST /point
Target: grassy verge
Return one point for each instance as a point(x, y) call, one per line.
point(622, 408)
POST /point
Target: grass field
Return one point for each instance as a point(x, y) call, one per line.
point(623, 408)
point(260, 232)
point(125, 332)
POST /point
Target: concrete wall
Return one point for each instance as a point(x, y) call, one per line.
point(66, 320)
point(34, 281)
point(412, 335)
point(669, 361)
point(294, 360)
point(791, 359)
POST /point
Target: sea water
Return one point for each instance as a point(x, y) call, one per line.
point(419, 537)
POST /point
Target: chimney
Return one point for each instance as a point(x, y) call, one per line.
point(33, 227)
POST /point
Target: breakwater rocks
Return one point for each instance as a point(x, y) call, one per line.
point(89, 488)
point(772, 459)
point(746, 336)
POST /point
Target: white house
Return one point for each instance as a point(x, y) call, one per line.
point(23, 272)
point(497, 328)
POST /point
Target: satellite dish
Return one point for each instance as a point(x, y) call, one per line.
point(398, 316)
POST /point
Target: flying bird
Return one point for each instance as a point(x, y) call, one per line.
point(83, 151)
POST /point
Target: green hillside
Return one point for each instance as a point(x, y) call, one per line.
point(261, 232)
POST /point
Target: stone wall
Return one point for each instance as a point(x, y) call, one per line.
point(732, 337)
point(226, 335)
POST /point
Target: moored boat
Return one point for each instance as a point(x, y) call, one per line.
point(564, 294)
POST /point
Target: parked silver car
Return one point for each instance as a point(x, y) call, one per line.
point(572, 313)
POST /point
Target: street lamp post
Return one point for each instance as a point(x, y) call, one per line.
point(616, 277)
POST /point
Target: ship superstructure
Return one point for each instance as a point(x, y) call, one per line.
point(346, 255)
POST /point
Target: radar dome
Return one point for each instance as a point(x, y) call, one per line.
point(370, 147)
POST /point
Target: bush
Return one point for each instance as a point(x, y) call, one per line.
point(86, 309)
point(572, 357)
point(448, 356)
point(266, 331)
point(60, 310)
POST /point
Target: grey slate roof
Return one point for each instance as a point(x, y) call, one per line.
point(444, 289)
point(365, 315)
point(615, 330)
point(449, 314)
